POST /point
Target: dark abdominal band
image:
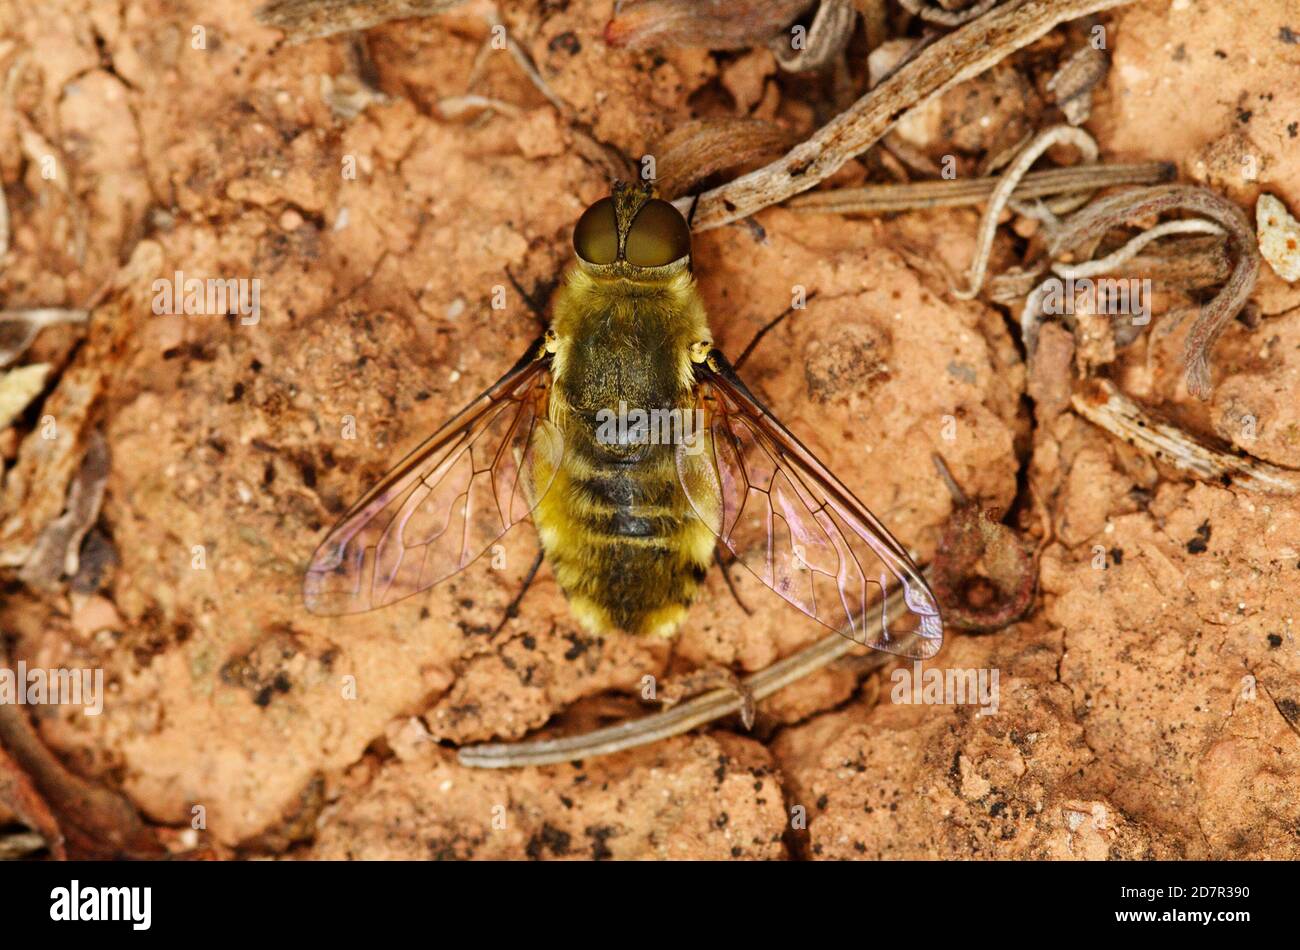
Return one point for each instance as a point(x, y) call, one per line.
point(636, 484)
point(633, 566)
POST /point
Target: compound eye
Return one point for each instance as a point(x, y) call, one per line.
point(595, 236)
point(658, 236)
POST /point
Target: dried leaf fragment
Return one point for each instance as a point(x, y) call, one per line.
point(983, 574)
point(697, 150)
point(19, 795)
point(18, 328)
point(18, 388)
point(55, 552)
point(1073, 83)
point(707, 24)
point(307, 19)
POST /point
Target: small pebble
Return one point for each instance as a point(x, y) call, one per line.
point(1279, 237)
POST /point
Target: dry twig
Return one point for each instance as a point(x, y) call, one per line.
point(880, 199)
point(961, 55)
point(1102, 404)
point(4, 221)
point(94, 821)
point(680, 718)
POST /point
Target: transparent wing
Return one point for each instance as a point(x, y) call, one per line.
point(445, 503)
point(795, 526)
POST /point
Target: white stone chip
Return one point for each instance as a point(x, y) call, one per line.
point(1279, 237)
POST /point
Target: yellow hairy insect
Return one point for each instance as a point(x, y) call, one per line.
point(637, 452)
point(619, 532)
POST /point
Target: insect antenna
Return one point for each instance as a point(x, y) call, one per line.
point(690, 215)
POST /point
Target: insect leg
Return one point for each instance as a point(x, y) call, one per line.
point(771, 325)
point(512, 608)
point(958, 496)
point(363, 65)
point(538, 311)
point(726, 576)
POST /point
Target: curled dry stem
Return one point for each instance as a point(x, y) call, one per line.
point(1007, 184)
point(680, 718)
point(1101, 403)
point(961, 55)
point(829, 34)
point(1031, 313)
point(1130, 250)
point(938, 15)
point(1114, 210)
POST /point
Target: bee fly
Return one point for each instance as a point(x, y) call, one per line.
point(629, 522)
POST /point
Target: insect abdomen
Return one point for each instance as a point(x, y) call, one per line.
point(622, 539)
